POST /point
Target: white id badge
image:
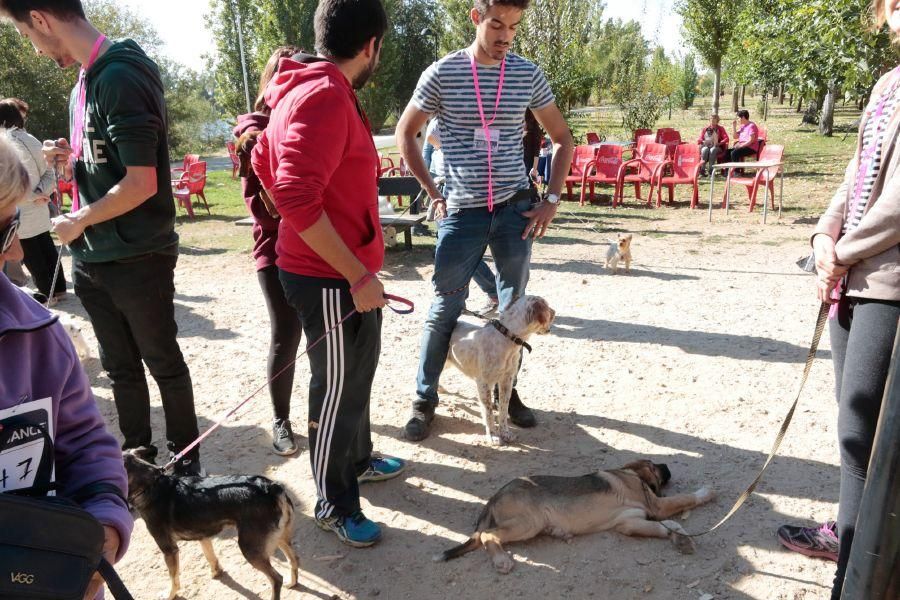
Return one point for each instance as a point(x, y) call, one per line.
point(20, 460)
point(481, 139)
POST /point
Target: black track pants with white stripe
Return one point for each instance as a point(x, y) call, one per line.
point(342, 367)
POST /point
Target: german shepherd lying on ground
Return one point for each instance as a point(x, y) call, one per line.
point(626, 500)
point(197, 508)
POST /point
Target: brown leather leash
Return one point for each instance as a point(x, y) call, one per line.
point(810, 357)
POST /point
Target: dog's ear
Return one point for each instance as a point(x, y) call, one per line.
point(646, 470)
point(538, 310)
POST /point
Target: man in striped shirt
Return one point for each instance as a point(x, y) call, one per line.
point(479, 96)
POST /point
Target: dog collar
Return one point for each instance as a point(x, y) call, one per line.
point(509, 335)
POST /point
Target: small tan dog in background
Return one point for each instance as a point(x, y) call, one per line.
point(619, 250)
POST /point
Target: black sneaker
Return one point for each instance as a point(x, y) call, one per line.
point(283, 443)
point(186, 466)
point(416, 428)
point(519, 414)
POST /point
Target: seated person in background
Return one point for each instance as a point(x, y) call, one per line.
point(41, 377)
point(713, 142)
point(747, 135)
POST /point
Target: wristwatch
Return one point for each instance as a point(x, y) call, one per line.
point(553, 199)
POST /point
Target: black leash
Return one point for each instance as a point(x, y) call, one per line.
point(810, 357)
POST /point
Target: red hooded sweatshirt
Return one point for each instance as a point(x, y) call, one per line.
point(315, 156)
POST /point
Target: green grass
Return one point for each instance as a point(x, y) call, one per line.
point(814, 167)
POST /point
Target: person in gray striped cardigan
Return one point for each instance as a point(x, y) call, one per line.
point(857, 250)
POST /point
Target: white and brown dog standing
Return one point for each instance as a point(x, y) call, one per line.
point(491, 358)
point(620, 250)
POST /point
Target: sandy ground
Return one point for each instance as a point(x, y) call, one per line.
point(691, 360)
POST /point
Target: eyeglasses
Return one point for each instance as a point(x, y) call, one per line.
point(8, 233)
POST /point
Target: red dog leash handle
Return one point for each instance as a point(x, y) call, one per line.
point(410, 307)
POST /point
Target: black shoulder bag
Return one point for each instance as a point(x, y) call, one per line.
point(49, 546)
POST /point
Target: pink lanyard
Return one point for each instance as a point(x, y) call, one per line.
point(867, 157)
point(866, 160)
point(485, 124)
point(79, 118)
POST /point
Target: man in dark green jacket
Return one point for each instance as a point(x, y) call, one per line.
point(122, 228)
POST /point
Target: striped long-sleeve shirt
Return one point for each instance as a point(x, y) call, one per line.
point(873, 138)
point(446, 89)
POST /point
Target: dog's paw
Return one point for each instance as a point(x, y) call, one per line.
point(507, 436)
point(677, 534)
point(503, 562)
point(705, 495)
point(216, 572)
point(683, 543)
point(493, 440)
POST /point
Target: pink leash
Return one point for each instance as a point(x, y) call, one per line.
point(865, 164)
point(79, 118)
point(405, 311)
point(485, 123)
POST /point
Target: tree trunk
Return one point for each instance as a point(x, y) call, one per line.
point(790, 99)
point(780, 93)
point(734, 98)
point(717, 86)
point(826, 123)
point(743, 92)
point(799, 103)
point(765, 105)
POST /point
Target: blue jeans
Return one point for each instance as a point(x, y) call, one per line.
point(544, 167)
point(463, 237)
point(486, 280)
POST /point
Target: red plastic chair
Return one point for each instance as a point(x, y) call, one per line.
point(189, 159)
point(235, 161)
point(670, 137)
point(639, 132)
point(387, 163)
point(190, 184)
point(583, 156)
point(765, 176)
point(763, 137)
point(685, 166)
point(605, 168)
point(592, 138)
point(645, 171)
point(641, 143)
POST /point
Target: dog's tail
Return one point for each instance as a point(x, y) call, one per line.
point(485, 522)
point(470, 544)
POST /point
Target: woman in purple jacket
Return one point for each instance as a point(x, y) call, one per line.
point(285, 326)
point(41, 377)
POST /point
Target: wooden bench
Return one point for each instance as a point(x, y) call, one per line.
point(401, 186)
point(403, 224)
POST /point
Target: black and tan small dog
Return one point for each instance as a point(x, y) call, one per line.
point(626, 500)
point(197, 508)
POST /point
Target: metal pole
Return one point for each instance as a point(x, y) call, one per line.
point(872, 572)
point(237, 24)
